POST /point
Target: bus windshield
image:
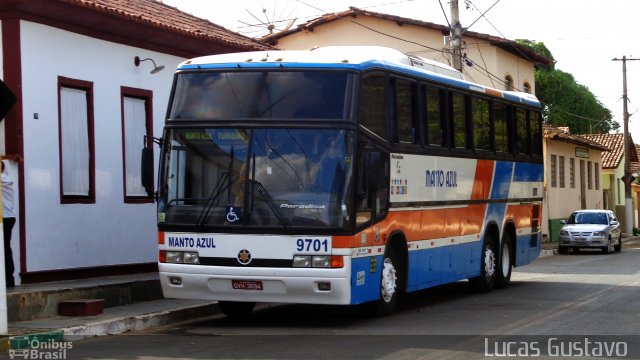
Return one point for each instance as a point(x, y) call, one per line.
point(262, 95)
point(276, 178)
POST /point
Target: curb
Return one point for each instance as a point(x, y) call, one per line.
point(112, 326)
point(138, 322)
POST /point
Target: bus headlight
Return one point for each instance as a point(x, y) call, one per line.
point(180, 257)
point(191, 258)
point(318, 261)
point(321, 261)
point(174, 257)
point(301, 261)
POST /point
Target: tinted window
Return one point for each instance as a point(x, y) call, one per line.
point(458, 114)
point(373, 105)
point(481, 124)
point(435, 133)
point(536, 133)
point(500, 125)
point(522, 131)
point(263, 95)
point(405, 114)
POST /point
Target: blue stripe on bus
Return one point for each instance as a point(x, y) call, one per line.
point(501, 180)
point(528, 172)
point(526, 253)
point(427, 268)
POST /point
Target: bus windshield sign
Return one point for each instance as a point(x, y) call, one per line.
point(321, 95)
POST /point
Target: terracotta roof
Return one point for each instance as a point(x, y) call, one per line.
point(155, 23)
point(507, 45)
point(563, 134)
point(612, 159)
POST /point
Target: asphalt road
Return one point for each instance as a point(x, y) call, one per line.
point(584, 305)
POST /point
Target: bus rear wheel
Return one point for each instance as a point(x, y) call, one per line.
point(485, 282)
point(236, 309)
point(505, 263)
point(389, 279)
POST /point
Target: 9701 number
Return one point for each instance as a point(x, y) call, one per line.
point(315, 245)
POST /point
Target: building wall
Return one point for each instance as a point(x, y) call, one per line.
point(108, 232)
point(417, 41)
point(561, 201)
point(2, 124)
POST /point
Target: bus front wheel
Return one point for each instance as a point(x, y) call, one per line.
point(389, 279)
point(236, 309)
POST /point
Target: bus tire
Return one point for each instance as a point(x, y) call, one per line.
point(236, 309)
point(505, 263)
point(485, 282)
point(389, 280)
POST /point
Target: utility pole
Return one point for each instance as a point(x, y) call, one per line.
point(456, 36)
point(627, 179)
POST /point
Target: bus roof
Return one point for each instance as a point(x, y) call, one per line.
point(354, 57)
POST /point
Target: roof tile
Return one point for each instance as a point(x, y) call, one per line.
point(613, 158)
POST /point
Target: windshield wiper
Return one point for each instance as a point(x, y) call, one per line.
point(222, 183)
point(266, 197)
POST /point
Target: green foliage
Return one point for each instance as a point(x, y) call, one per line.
point(566, 102)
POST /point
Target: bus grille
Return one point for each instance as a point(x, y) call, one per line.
point(233, 262)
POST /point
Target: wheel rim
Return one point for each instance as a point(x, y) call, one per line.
point(506, 259)
point(388, 280)
point(489, 263)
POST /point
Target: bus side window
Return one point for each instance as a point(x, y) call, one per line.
point(481, 124)
point(459, 120)
point(522, 131)
point(406, 124)
point(374, 106)
point(536, 133)
point(373, 184)
point(433, 112)
point(501, 130)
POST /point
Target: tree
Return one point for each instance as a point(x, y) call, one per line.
point(566, 102)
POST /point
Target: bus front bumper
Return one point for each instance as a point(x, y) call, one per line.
point(297, 285)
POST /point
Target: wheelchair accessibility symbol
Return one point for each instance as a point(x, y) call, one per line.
point(232, 216)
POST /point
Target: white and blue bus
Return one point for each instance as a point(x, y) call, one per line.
point(342, 175)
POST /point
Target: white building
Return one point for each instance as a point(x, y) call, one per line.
point(77, 128)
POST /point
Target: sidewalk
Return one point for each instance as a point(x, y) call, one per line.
point(143, 310)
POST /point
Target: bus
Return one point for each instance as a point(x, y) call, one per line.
point(341, 175)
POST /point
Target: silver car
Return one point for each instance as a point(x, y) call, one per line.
point(591, 229)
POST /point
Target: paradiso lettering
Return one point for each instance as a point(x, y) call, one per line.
point(187, 241)
point(441, 178)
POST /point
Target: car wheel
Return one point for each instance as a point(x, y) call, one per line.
point(563, 250)
point(618, 246)
point(607, 249)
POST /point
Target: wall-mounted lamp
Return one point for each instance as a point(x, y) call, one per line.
point(156, 68)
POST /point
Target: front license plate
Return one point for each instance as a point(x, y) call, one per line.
point(246, 284)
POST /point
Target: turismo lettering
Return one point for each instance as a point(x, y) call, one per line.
point(441, 178)
point(186, 241)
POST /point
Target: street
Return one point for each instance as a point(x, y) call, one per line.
point(580, 305)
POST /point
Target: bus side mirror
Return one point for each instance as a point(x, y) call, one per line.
point(374, 166)
point(146, 170)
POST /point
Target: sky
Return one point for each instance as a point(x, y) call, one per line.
point(583, 35)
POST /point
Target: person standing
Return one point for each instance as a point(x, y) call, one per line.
point(8, 220)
